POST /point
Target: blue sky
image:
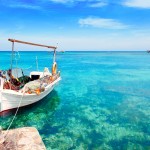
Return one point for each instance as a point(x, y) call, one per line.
point(76, 24)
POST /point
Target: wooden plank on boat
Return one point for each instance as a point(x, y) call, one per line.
point(23, 42)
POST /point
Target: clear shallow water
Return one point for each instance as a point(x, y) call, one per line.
point(102, 101)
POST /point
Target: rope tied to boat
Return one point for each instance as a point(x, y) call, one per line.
point(4, 137)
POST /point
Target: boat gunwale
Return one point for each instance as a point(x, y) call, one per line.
point(14, 92)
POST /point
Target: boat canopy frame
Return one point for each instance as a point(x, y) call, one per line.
point(34, 44)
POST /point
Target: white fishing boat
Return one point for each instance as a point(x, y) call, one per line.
point(18, 91)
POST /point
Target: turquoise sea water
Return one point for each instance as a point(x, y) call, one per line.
point(101, 103)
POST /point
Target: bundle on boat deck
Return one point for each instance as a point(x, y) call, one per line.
point(37, 86)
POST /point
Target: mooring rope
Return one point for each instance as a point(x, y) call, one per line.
point(7, 131)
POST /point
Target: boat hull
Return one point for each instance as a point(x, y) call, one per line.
point(10, 99)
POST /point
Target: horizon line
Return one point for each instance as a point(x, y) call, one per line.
point(77, 51)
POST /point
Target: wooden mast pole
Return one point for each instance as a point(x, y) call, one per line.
point(54, 56)
point(12, 55)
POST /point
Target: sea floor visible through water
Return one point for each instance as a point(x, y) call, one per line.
point(101, 103)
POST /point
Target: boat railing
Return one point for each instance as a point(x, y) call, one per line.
point(1, 83)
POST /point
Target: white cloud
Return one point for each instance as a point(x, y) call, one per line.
point(137, 3)
point(139, 40)
point(101, 3)
point(102, 23)
point(98, 4)
point(90, 3)
point(61, 1)
point(99, 42)
point(68, 1)
point(25, 6)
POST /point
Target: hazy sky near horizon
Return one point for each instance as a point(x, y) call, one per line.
point(76, 24)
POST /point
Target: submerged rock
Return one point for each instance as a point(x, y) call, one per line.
point(26, 138)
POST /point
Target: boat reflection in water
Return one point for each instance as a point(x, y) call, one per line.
point(36, 114)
